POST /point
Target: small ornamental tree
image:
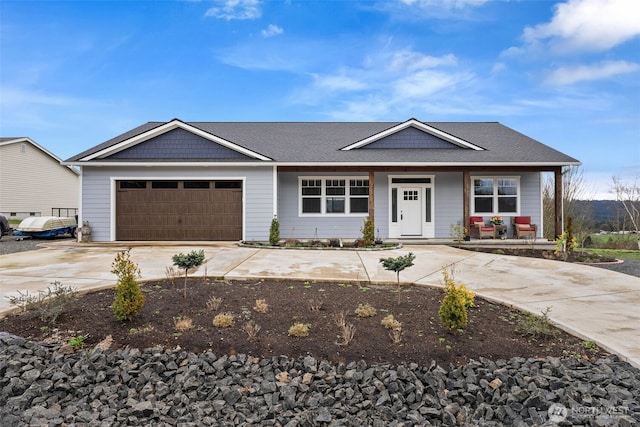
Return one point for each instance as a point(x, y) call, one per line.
point(188, 261)
point(274, 232)
point(398, 264)
point(129, 299)
point(368, 232)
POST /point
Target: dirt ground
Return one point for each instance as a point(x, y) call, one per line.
point(494, 331)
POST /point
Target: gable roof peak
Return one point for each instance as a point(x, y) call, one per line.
point(415, 123)
point(164, 127)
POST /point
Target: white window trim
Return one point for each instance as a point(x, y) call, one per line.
point(495, 196)
point(323, 196)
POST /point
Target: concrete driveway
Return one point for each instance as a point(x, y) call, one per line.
point(592, 303)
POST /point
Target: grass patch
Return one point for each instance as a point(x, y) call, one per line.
point(613, 253)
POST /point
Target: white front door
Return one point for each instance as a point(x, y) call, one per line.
point(410, 212)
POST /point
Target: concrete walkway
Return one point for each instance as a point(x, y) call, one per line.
point(592, 303)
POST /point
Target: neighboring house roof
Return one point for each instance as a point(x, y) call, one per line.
point(315, 143)
point(22, 139)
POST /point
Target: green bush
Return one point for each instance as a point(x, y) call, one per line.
point(368, 232)
point(453, 309)
point(274, 232)
point(129, 299)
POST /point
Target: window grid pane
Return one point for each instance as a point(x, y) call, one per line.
point(334, 195)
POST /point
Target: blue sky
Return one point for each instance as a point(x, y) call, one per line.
point(76, 73)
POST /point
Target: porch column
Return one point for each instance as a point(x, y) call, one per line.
point(466, 195)
point(558, 199)
point(371, 197)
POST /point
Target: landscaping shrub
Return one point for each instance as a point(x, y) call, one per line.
point(48, 304)
point(214, 303)
point(129, 299)
point(346, 331)
point(251, 328)
point(299, 330)
point(390, 322)
point(530, 324)
point(261, 306)
point(457, 298)
point(182, 323)
point(368, 232)
point(274, 232)
point(365, 310)
point(223, 320)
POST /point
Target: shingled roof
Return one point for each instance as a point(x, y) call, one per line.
point(295, 143)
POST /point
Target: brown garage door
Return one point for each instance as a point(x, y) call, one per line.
point(179, 210)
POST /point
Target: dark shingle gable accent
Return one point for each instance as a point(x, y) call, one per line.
point(177, 144)
point(410, 138)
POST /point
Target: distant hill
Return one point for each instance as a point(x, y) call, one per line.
point(605, 213)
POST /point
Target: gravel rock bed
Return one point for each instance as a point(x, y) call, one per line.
point(12, 244)
point(44, 385)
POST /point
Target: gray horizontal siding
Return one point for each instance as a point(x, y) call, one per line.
point(448, 203)
point(97, 204)
point(293, 226)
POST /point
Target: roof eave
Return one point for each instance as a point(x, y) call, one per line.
point(322, 164)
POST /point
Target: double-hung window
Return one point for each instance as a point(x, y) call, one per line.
point(334, 195)
point(495, 195)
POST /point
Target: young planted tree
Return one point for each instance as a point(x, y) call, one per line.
point(398, 264)
point(368, 232)
point(188, 261)
point(457, 299)
point(129, 298)
point(628, 194)
point(574, 189)
point(274, 232)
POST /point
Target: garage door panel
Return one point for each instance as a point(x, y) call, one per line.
point(182, 213)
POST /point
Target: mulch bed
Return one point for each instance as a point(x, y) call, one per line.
point(575, 256)
point(493, 331)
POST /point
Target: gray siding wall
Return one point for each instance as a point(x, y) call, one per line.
point(293, 226)
point(448, 203)
point(97, 202)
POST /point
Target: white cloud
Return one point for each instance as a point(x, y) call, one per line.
point(411, 83)
point(235, 9)
point(446, 4)
point(426, 83)
point(407, 60)
point(271, 30)
point(588, 25)
point(338, 82)
point(603, 70)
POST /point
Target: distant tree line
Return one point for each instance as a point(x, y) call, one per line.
point(588, 216)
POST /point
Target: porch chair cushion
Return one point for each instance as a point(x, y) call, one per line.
point(479, 229)
point(523, 227)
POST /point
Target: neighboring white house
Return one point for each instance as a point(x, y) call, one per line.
point(33, 182)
